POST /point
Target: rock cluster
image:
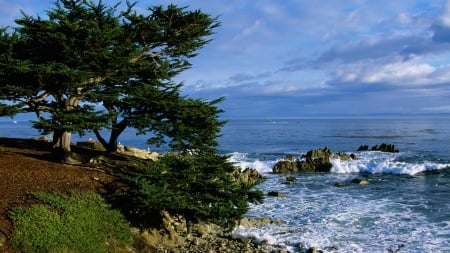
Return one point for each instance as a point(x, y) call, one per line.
point(316, 160)
point(247, 177)
point(138, 153)
point(383, 148)
point(205, 238)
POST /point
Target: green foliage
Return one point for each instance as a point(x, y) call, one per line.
point(87, 55)
point(79, 222)
point(200, 188)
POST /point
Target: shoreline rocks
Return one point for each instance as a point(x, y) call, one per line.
point(316, 160)
point(205, 237)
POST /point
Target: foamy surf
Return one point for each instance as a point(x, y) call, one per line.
point(388, 214)
point(372, 162)
point(384, 163)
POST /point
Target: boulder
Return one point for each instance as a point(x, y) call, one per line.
point(317, 160)
point(247, 177)
point(285, 167)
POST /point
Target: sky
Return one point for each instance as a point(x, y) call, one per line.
point(298, 58)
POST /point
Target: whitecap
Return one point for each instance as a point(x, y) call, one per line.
point(383, 163)
point(242, 161)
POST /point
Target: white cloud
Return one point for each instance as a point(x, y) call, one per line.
point(445, 17)
point(399, 73)
point(248, 31)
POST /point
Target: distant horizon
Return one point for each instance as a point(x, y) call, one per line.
point(23, 117)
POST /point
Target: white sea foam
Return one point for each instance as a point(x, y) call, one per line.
point(379, 217)
point(241, 160)
point(367, 162)
point(351, 222)
point(383, 163)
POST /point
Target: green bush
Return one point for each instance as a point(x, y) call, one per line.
point(200, 188)
point(77, 222)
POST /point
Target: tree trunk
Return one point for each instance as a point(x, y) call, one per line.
point(116, 131)
point(61, 146)
point(61, 140)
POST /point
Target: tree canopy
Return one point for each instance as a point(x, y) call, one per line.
point(91, 67)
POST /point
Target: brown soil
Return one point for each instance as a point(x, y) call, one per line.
point(26, 167)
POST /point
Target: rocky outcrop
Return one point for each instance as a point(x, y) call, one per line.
point(382, 148)
point(138, 153)
point(316, 160)
point(247, 177)
point(205, 237)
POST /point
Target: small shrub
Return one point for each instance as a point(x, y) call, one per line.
point(78, 222)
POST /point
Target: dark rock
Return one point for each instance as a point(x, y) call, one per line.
point(319, 159)
point(339, 184)
point(311, 250)
point(290, 180)
point(363, 148)
point(382, 148)
point(275, 194)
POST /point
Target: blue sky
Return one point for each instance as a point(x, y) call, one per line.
point(293, 59)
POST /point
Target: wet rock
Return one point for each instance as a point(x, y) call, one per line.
point(344, 157)
point(363, 148)
point(382, 148)
point(285, 167)
point(275, 194)
point(290, 180)
point(316, 160)
point(385, 148)
point(360, 181)
point(339, 184)
point(248, 177)
point(312, 250)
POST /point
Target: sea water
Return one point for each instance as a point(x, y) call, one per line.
point(405, 206)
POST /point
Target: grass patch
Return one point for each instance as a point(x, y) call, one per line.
point(75, 222)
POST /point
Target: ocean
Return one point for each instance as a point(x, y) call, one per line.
point(405, 206)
